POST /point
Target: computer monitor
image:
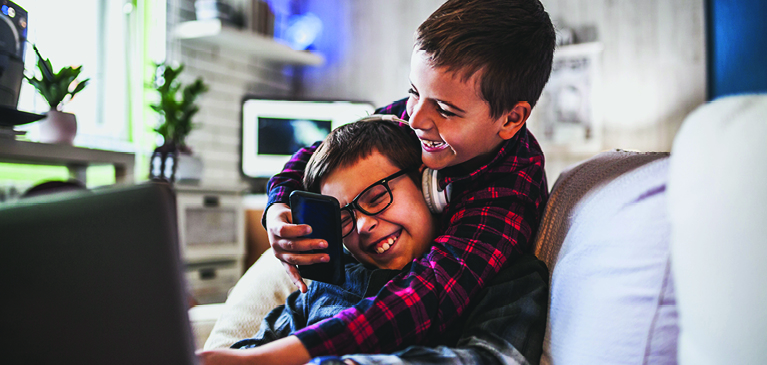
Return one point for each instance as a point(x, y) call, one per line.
point(93, 278)
point(272, 130)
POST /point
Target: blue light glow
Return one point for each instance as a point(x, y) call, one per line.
point(303, 30)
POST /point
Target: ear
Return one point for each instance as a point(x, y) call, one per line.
point(514, 119)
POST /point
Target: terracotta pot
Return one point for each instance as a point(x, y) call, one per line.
point(58, 127)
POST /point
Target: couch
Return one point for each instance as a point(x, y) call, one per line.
point(611, 228)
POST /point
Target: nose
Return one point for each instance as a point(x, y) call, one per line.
point(419, 118)
point(366, 224)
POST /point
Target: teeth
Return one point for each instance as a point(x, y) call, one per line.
point(385, 245)
point(431, 144)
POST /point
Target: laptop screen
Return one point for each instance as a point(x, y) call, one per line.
point(94, 278)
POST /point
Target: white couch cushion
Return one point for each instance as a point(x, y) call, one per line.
point(605, 237)
point(203, 317)
point(264, 286)
point(718, 209)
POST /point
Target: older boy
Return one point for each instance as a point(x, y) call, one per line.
point(371, 168)
point(477, 69)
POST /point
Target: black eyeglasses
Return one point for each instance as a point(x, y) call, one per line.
point(371, 201)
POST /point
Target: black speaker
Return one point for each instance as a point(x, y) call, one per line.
point(13, 37)
point(13, 43)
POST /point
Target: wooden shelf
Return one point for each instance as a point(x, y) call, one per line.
point(77, 159)
point(578, 49)
point(214, 33)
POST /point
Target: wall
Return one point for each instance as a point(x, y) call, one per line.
point(230, 77)
point(653, 63)
point(367, 44)
point(653, 69)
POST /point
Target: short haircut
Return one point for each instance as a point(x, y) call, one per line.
point(510, 41)
point(349, 143)
point(54, 186)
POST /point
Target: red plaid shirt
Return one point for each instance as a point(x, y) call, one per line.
point(492, 217)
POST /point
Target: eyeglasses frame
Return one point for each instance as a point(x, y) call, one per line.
point(354, 205)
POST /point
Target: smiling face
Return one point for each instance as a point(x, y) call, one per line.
point(450, 117)
point(406, 227)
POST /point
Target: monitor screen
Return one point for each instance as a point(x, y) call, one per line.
point(272, 130)
point(285, 136)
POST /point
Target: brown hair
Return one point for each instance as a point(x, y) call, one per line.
point(350, 143)
point(510, 41)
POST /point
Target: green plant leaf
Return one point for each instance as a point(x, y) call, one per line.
point(80, 86)
point(176, 106)
point(56, 86)
point(44, 65)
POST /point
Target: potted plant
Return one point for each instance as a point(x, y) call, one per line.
point(176, 107)
point(57, 88)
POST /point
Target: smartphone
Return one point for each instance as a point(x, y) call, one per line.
point(323, 214)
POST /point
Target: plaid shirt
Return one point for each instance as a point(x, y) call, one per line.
point(492, 217)
point(504, 324)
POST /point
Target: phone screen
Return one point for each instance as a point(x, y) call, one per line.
point(323, 214)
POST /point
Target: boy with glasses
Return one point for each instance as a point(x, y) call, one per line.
point(387, 225)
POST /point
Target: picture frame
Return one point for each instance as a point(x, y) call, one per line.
point(567, 117)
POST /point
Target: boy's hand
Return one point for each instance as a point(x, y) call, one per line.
point(222, 357)
point(284, 237)
point(285, 351)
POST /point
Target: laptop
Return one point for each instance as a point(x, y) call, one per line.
point(93, 278)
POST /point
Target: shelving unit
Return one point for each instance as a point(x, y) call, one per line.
point(579, 49)
point(212, 221)
point(211, 224)
point(214, 33)
point(76, 159)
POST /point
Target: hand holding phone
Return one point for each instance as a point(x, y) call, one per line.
point(323, 214)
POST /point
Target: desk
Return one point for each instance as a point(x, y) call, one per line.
point(76, 159)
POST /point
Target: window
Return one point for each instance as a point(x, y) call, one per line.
point(107, 38)
point(115, 41)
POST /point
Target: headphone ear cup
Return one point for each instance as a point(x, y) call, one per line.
point(382, 117)
point(426, 189)
point(434, 197)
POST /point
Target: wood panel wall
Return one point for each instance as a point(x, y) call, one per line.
point(653, 63)
point(653, 68)
point(231, 76)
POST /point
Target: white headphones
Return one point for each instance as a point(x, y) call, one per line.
point(387, 117)
point(436, 198)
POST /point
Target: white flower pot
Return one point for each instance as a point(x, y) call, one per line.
point(189, 170)
point(58, 127)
